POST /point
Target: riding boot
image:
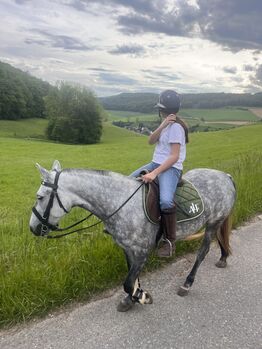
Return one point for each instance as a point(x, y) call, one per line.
point(168, 221)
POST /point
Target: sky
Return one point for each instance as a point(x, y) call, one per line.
point(114, 46)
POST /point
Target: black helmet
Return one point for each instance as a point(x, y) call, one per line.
point(169, 101)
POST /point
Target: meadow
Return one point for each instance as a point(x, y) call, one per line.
point(25, 128)
point(219, 114)
point(202, 119)
point(37, 275)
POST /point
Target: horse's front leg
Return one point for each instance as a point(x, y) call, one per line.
point(132, 286)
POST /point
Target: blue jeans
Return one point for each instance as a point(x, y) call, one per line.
point(168, 181)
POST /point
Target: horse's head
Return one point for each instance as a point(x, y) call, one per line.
point(50, 206)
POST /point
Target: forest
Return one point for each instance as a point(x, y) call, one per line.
point(21, 94)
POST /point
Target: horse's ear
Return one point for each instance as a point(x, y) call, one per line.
point(44, 173)
point(56, 166)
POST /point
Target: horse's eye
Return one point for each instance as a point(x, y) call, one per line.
point(39, 197)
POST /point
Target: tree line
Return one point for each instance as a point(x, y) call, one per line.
point(144, 102)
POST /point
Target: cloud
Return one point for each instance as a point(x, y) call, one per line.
point(132, 50)
point(161, 75)
point(257, 79)
point(172, 21)
point(132, 45)
point(230, 70)
point(248, 67)
point(117, 78)
point(21, 2)
point(143, 6)
point(234, 24)
point(100, 70)
point(58, 41)
point(78, 5)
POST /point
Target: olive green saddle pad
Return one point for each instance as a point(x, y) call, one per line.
point(188, 202)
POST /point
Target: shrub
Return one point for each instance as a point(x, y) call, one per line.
point(74, 114)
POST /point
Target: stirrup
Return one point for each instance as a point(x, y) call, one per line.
point(169, 245)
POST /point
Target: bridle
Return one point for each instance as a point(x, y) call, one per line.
point(45, 218)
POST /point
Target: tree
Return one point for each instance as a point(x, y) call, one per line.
point(21, 95)
point(74, 113)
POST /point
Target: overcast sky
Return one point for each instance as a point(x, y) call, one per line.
point(114, 46)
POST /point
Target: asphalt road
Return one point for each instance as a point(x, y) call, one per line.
point(223, 309)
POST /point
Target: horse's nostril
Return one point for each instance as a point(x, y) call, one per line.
point(37, 231)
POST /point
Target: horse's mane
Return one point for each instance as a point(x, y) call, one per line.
point(77, 170)
point(105, 173)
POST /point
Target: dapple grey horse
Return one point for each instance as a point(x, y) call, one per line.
point(103, 192)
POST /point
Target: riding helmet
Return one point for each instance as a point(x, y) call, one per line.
point(169, 101)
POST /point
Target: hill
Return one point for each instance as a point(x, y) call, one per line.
point(91, 263)
point(144, 102)
point(21, 95)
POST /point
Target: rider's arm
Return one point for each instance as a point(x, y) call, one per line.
point(154, 137)
point(170, 161)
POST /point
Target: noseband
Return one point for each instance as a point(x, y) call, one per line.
point(44, 219)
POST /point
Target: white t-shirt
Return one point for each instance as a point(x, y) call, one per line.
point(173, 133)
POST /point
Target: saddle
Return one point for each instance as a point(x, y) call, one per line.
point(189, 204)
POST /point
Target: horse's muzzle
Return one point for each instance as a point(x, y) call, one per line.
point(40, 230)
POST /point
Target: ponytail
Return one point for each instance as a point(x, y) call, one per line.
point(178, 120)
point(184, 125)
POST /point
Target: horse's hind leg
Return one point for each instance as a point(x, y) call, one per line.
point(223, 240)
point(209, 234)
point(222, 263)
point(132, 285)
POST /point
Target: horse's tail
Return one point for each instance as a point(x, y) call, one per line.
point(224, 233)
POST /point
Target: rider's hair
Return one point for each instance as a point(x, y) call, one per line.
point(178, 121)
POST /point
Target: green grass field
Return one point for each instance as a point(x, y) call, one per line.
point(223, 114)
point(220, 114)
point(116, 115)
point(38, 275)
point(204, 118)
point(26, 128)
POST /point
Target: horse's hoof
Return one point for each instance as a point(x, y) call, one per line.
point(221, 264)
point(125, 304)
point(149, 298)
point(183, 291)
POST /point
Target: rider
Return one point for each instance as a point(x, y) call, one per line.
point(167, 164)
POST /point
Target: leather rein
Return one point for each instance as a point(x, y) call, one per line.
point(45, 218)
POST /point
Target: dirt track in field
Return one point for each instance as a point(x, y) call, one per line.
point(256, 111)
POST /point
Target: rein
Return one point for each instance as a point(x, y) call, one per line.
point(44, 219)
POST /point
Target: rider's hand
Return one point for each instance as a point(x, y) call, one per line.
point(149, 177)
point(170, 119)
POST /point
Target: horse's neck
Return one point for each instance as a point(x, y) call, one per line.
point(97, 191)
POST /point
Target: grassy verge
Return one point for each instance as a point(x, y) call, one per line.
point(37, 275)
